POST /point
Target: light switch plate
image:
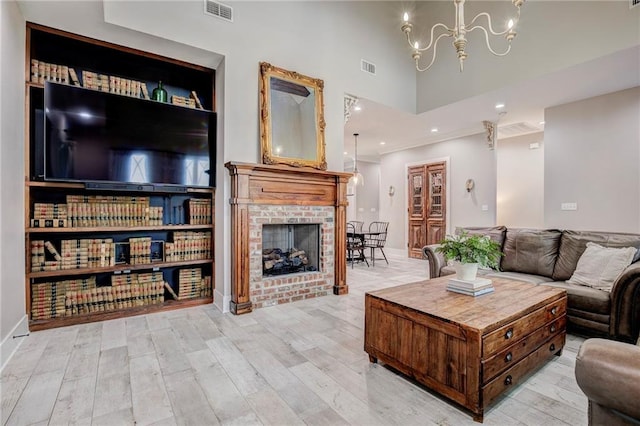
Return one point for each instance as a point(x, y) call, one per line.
point(485, 208)
point(569, 206)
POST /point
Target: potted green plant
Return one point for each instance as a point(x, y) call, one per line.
point(468, 252)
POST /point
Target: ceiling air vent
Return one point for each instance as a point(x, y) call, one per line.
point(218, 10)
point(516, 129)
point(633, 3)
point(367, 67)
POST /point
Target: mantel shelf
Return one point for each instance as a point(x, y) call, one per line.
point(116, 268)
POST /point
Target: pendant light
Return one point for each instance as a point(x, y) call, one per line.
point(357, 179)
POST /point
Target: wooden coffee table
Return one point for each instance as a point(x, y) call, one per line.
point(468, 349)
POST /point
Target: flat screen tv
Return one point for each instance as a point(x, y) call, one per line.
point(99, 137)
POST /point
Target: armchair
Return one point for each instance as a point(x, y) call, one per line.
point(608, 372)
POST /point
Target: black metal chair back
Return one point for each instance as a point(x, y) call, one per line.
point(357, 225)
point(355, 244)
point(376, 239)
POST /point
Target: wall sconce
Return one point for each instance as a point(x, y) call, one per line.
point(392, 191)
point(469, 184)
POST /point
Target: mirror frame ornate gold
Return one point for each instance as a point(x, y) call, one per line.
point(266, 144)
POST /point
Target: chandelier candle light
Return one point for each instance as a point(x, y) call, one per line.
point(458, 33)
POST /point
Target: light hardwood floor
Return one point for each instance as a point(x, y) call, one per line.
point(301, 363)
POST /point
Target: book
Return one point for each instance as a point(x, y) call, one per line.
point(170, 290)
point(52, 250)
point(471, 292)
point(74, 77)
point(476, 284)
point(48, 223)
point(195, 97)
point(145, 93)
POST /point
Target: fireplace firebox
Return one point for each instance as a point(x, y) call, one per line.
point(290, 248)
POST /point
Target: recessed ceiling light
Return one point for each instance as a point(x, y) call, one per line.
point(357, 107)
point(345, 153)
point(434, 130)
point(499, 106)
point(541, 123)
point(382, 142)
point(85, 114)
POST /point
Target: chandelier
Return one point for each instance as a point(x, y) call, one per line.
point(459, 31)
point(357, 179)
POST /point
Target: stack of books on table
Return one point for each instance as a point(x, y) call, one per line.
point(472, 288)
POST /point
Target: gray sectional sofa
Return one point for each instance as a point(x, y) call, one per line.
point(549, 257)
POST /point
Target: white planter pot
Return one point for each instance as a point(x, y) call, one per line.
point(466, 271)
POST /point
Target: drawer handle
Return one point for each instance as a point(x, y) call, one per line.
point(552, 348)
point(508, 380)
point(554, 310)
point(509, 334)
point(553, 328)
point(508, 357)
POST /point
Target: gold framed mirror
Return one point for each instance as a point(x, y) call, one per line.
point(291, 118)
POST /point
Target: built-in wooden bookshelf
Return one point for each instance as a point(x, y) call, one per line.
point(169, 216)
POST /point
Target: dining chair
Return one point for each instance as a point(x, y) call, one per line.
point(357, 225)
point(355, 244)
point(376, 238)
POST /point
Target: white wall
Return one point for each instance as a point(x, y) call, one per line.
point(469, 158)
point(367, 196)
point(592, 158)
point(520, 181)
point(12, 275)
point(552, 35)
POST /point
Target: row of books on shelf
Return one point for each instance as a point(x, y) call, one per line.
point(73, 254)
point(199, 211)
point(188, 245)
point(44, 71)
point(76, 297)
point(97, 253)
point(192, 284)
point(106, 211)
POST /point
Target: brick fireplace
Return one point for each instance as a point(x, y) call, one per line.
point(283, 195)
point(273, 290)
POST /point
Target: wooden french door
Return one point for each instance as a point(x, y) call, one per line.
point(427, 206)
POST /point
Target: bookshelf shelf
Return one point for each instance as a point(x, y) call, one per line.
point(105, 229)
point(116, 268)
point(168, 305)
point(167, 221)
point(80, 185)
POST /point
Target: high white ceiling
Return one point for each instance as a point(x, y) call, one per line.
point(524, 106)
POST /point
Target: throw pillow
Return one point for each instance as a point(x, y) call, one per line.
point(598, 267)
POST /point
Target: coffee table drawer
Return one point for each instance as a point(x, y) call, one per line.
point(514, 353)
point(505, 336)
point(511, 377)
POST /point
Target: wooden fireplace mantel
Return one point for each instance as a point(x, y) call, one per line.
point(281, 185)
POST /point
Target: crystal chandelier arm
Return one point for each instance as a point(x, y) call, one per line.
point(431, 41)
point(486, 37)
point(433, 58)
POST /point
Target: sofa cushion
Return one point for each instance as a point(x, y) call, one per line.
point(573, 244)
point(598, 267)
point(530, 251)
point(518, 276)
point(584, 298)
point(496, 233)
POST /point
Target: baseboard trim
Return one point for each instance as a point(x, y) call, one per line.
point(10, 344)
point(221, 301)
